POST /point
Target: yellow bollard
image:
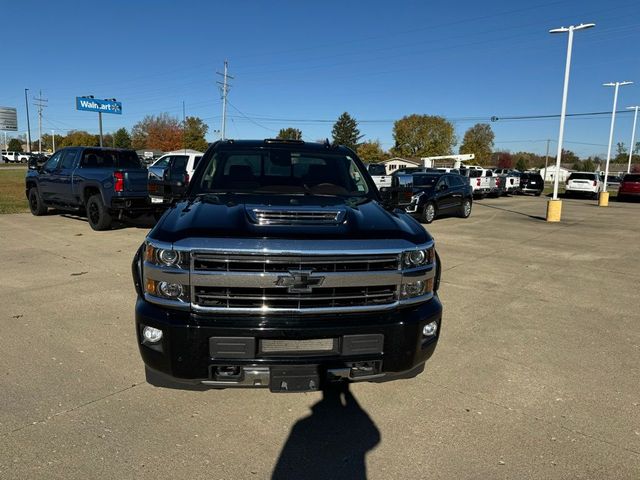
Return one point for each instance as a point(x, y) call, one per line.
point(603, 199)
point(554, 210)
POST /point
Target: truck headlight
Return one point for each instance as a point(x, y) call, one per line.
point(172, 291)
point(166, 257)
point(417, 258)
point(416, 288)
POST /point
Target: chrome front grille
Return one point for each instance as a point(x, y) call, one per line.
point(283, 283)
point(279, 298)
point(286, 263)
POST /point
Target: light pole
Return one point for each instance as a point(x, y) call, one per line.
point(633, 135)
point(603, 198)
point(53, 140)
point(554, 206)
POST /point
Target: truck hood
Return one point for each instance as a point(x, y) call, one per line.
point(368, 220)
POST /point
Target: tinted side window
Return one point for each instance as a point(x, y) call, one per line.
point(456, 181)
point(52, 163)
point(68, 159)
point(196, 161)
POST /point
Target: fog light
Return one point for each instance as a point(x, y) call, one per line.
point(430, 329)
point(151, 334)
point(171, 290)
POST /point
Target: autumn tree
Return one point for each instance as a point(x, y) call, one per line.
point(14, 145)
point(162, 132)
point(195, 131)
point(504, 160)
point(121, 138)
point(371, 152)
point(568, 157)
point(345, 131)
point(289, 134)
point(479, 141)
point(423, 135)
point(79, 138)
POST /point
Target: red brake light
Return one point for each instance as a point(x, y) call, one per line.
point(594, 183)
point(118, 185)
point(186, 178)
point(478, 182)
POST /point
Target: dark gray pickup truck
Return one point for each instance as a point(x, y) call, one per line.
point(104, 182)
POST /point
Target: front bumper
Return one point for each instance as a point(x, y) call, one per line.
point(188, 358)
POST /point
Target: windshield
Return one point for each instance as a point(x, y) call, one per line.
point(631, 178)
point(425, 181)
point(280, 171)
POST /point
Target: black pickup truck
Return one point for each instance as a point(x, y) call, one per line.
point(104, 182)
point(280, 266)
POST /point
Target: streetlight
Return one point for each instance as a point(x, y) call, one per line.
point(554, 206)
point(633, 134)
point(603, 199)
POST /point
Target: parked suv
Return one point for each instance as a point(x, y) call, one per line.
point(583, 183)
point(437, 194)
point(531, 183)
point(103, 182)
point(629, 186)
point(279, 266)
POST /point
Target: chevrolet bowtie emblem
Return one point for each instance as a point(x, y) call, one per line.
point(299, 281)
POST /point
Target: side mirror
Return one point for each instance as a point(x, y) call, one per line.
point(399, 194)
point(33, 164)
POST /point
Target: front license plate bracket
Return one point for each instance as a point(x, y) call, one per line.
point(294, 378)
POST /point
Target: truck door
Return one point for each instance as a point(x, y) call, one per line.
point(45, 183)
point(62, 178)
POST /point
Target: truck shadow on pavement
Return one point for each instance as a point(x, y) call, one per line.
point(332, 442)
point(535, 217)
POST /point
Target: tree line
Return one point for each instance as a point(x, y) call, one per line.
point(154, 132)
point(414, 136)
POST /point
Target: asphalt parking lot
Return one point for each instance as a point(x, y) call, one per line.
point(537, 373)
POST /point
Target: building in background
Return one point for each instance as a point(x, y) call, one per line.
point(395, 163)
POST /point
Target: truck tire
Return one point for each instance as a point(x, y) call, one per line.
point(36, 205)
point(97, 214)
point(465, 209)
point(428, 213)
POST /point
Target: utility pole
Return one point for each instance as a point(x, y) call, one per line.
point(26, 102)
point(603, 198)
point(225, 90)
point(40, 103)
point(546, 162)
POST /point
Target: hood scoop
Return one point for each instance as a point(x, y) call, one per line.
point(296, 216)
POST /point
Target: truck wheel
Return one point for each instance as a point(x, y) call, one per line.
point(538, 194)
point(428, 213)
point(97, 214)
point(36, 205)
point(465, 210)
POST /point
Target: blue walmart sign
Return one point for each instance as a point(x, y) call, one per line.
point(94, 105)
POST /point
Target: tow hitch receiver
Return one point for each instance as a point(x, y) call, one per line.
point(294, 378)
